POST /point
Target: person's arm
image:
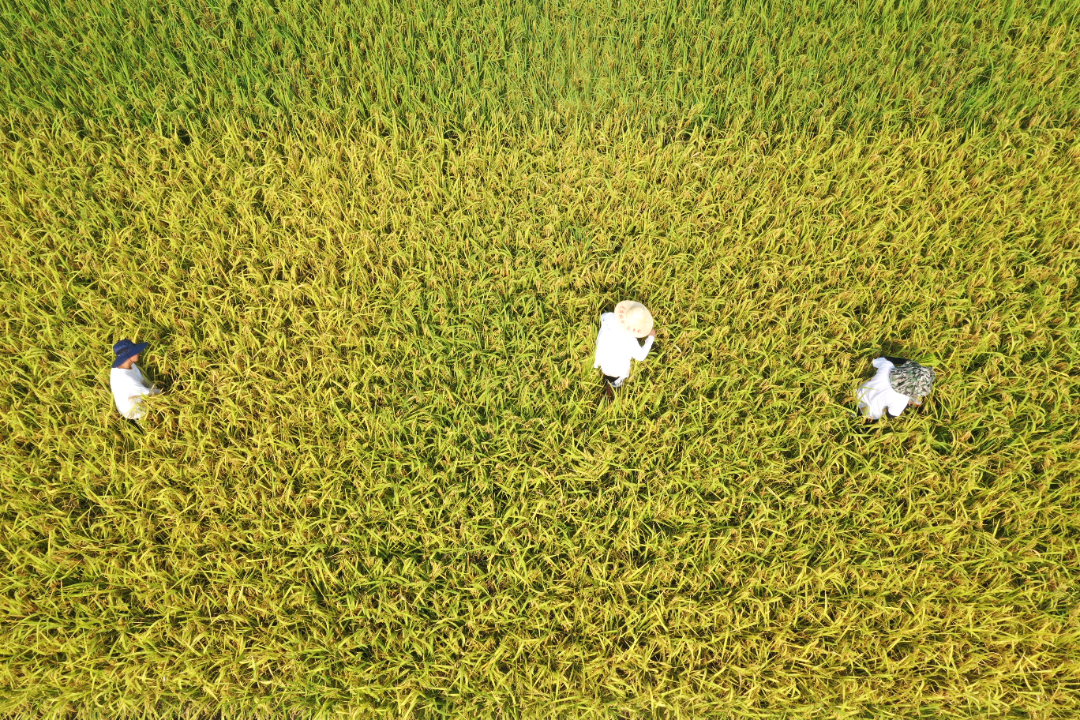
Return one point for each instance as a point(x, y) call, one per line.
point(136, 391)
point(642, 351)
point(897, 404)
point(151, 388)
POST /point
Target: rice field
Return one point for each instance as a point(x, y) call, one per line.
point(369, 245)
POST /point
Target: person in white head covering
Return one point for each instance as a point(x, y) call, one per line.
point(899, 382)
point(617, 342)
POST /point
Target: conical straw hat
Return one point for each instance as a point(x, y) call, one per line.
point(634, 317)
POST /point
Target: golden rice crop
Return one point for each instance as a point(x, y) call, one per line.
point(381, 481)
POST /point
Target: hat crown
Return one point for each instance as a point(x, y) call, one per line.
point(126, 349)
point(634, 317)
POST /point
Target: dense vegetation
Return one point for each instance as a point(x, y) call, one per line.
point(370, 244)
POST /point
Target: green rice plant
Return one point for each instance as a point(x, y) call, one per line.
point(661, 67)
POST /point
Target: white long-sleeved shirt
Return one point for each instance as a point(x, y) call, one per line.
point(128, 387)
point(877, 394)
point(616, 347)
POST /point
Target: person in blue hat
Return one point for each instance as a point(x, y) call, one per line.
point(127, 381)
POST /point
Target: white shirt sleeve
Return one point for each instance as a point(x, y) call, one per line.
point(897, 403)
point(135, 391)
point(144, 386)
point(643, 350)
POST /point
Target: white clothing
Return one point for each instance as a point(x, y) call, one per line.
point(615, 347)
point(877, 394)
point(128, 387)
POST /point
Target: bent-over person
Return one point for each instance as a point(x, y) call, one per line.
point(128, 383)
point(617, 342)
point(898, 382)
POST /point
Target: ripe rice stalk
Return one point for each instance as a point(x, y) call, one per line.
point(369, 246)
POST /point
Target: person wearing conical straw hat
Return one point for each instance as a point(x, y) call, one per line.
point(617, 342)
point(899, 382)
point(128, 383)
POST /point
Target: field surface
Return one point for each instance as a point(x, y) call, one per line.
point(369, 245)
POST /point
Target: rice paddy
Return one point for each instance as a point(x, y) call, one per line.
point(369, 246)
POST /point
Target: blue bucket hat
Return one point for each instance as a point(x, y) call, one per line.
point(126, 349)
